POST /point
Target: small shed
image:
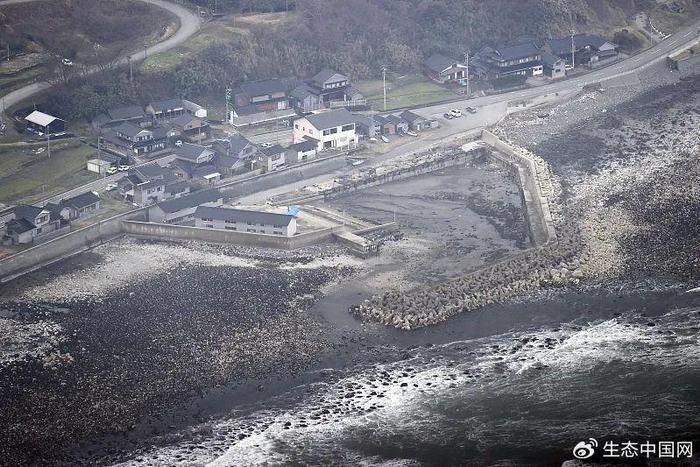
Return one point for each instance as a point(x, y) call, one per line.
point(41, 123)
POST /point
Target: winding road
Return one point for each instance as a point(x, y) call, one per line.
point(189, 24)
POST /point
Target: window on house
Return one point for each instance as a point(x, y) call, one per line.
point(229, 227)
point(250, 230)
point(296, 126)
point(277, 232)
point(348, 127)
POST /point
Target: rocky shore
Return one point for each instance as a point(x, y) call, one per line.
point(105, 346)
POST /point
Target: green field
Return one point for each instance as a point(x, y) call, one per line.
point(404, 91)
point(27, 177)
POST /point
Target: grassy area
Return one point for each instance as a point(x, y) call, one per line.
point(10, 82)
point(404, 91)
point(110, 206)
point(219, 31)
point(27, 177)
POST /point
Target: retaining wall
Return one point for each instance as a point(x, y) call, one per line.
point(65, 245)
point(181, 232)
point(537, 207)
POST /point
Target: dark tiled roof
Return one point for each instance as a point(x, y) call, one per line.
point(266, 87)
point(549, 60)
point(168, 104)
point(129, 129)
point(326, 75)
point(331, 119)
point(182, 120)
point(272, 150)
point(514, 52)
point(25, 211)
point(190, 152)
point(563, 46)
point(304, 146)
point(126, 113)
point(20, 226)
point(410, 117)
point(395, 119)
point(177, 187)
point(438, 63)
point(303, 91)
point(241, 215)
point(237, 143)
point(152, 170)
point(189, 201)
point(81, 201)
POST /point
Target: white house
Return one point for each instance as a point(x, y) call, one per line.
point(332, 129)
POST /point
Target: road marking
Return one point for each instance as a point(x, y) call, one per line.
point(673, 42)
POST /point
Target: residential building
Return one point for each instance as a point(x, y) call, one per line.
point(262, 96)
point(181, 210)
point(553, 66)
point(443, 69)
point(41, 123)
point(415, 122)
point(400, 125)
point(194, 153)
point(258, 222)
point(149, 184)
point(233, 153)
point(367, 126)
point(588, 49)
point(132, 140)
point(327, 88)
point(331, 129)
point(303, 150)
point(386, 126)
point(519, 59)
point(32, 224)
point(190, 127)
point(76, 207)
point(273, 157)
point(171, 108)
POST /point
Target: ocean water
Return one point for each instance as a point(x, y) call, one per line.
point(518, 398)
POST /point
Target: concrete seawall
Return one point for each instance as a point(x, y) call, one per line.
point(65, 245)
point(537, 206)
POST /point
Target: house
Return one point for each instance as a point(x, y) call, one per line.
point(327, 88)
point(232, 153)
point(31, 224)
point(190, 127)
point(273, 156)
point(132, 140)
point(171, 108)
point(262, 96)
point(77, 207)
point(415, 122)
point(332, 129)
point(367, 126)
point(386, 126)
point(443, 69)
point(194, 153)
point(42, 124)
point(588, 49)
point(181, 210)
point(240, 220)
point(553, 66)
point(303, 150)
point(519, 59)
point(149, 184)
point(400, 125)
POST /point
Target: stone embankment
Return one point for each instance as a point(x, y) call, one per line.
point(558, 261)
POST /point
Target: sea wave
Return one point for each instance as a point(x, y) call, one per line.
point(535, 391)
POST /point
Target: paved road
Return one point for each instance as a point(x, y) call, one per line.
point(189, 24)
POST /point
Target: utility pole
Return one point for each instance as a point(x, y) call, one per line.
point(8, 51)
point(466, 59)
point(48, 140)
point(384, 85)
point(145, 51)
point(573, 50)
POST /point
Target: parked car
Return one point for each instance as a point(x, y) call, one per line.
point(112, 170)
point(448, 116)
point(456, 113)
point(124, 168)
point(111, 187)
point(471, 110)
point(385, 139)
point(265, 145)
point(178, 143)
point(412, 133)
point(67, 62)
